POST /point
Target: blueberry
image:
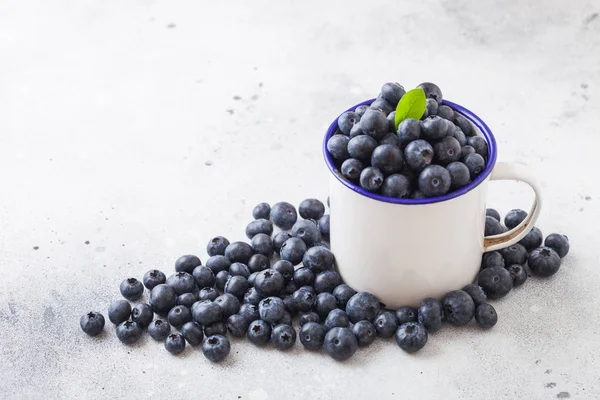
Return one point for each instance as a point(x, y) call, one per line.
point(431, 108)
point(312, 335)
point(411, 336)
point(284, 214)
point(340, 343)
point(119, 311)
point(216, 348)
point(216, 328)
point(434, 128)
point(179, 315)
point(286, 319)
point(92, 323)
point(417, 194)
point(259, 332)
point(152, 278)
point(362, 306)
point(229, 304)
point(290, 305)
point(249, 312)
point(290, 287)
point(131, 289)
point(492, 227)
point(490, 212)
point(418, 154)
point(207, 293)
point(446, 113)
point(206, 312)
point(304, 276)
point(374, 123)
point(216, 246)
point(337, 146)
point(204, 276)
point(459, 135)
point(237, 325)
point(311, 209)
point(285, 268)
point(496, 282)
point(239, 252)
point(388, 158)
point(187, 263)
point(326, 281)
point(271, 309)
point(259, 226)
point(459, 307)
point(142, 315)
point(175, 343)
point(269, 282)
point(182, 282)
point(323, 225)
point(162, 298)
point(544, 261)
point(159, 329)
point(515, 254)
point(465, 151)
point(342, 294)
point(486, 316)
point(306, 230)
point(365, 333)
point(518, 274)
point(360, 110)
point(406, 314)
point(392, 92)
point(463, 124)
point(533, 239)
point(386, 324)
point(257, 263)
point(129, 332)
point(293, 249)
point(361, 147)
point(218, 263)
point(317, 259)
point(310, 316)
point(221, 280)
point(430, 314)
point(236, 285)
point(371, 179)
point(279, 239)
point(324, 304)
point(409, 130)
point(477, 294)
point(283, 336)
point(346, 121)
point(356, 131)
point(397, 186)
point(239, 269)
point(558, 243)
point(475, 163)
point(479, 144)
point(192, 333)
point(261, 211)
point(252, 278)
point(390, 138)
point(447, 150)
point(432, 91)
point(459, 174)
point(434, 181)
point(304, 298)
point(351, 169)
point(492, 259)
point(514, 217)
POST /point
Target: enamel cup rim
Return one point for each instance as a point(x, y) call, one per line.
point(478, 122)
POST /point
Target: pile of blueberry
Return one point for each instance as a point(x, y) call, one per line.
point(258, 289)
point(429, 157)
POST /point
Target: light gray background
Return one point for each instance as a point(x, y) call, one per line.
point(120, 125)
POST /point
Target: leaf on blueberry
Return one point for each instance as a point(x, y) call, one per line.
point(411, 105)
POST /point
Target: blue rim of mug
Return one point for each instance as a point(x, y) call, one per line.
point(478, 122)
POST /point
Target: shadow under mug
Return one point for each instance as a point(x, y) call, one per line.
point(405, 250)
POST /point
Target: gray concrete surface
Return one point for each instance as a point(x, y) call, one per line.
point(132, 132)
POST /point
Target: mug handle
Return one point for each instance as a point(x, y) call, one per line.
point(515, 172)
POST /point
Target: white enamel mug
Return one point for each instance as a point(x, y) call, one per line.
point(404, 250)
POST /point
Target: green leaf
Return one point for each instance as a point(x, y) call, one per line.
point(411, 105)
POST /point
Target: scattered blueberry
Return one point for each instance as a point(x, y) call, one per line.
point(458, 307)
point(179, 315)
point(544, 261)
point(485, 315)
point(252, 278)
point(308, 231)
point(284, 214)
point(271, 309)
point(434, 181)
point(324, 303)
point(218, 263)
point(293, 250)
point(262, 211)
point(192, 333)
point(362, 306)
point(290, 304)
point(229, 304)
point(518, 274)
point(326, 281)
point(431, 315)
point(533, 239)
point(514, 218)
point(342, 294)
point(216, 348)
point(490, 212)
point(558, 243)
point(279, 239)
point(239, 269)
point(365, 333)
point(304, 298)
point(317, 259)
point(269, 282)
point(119, 311)
point(131, 289)
point(175, 343)
point(182, 282)
point(204, 276)
point(283, 336)
point(187, 263)
point(406, 314)
point(262, 244)
point(92, 323)
point(216, 246)
point(237, 325)
point(492, 259)
point(142, 315)
point(340, 343)
point(216, 328)
point(239, 252)
point(259, 332)
point(206, 312)
point(492, 227)
point(477, 294)
point(249, 312)
point(311, 209)
point(411, 336)
point(258, 262)
point(336, 318)
point(128, 332)
point(285, 268)
point(418, 154)
point(312, 335)
point(337, 146)
point(323, 225)
point(259, 226)
point(310, 316)
point(237, 285)
point(304, 276)
point(153, 278)
point(159, 330)
point(386, 324)
point(496, 282)
point(162, 298)
point(207, 293)
point(290, 287)
point(221, 280)
point(514, 254)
